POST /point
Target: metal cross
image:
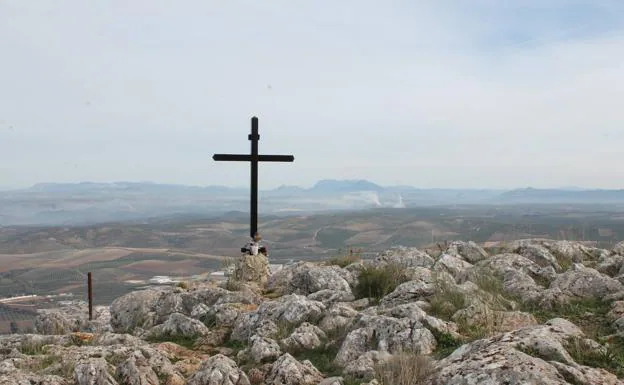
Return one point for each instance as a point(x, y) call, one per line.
point(254, 158)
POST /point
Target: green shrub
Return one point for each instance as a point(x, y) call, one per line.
point(377, 282)
point(404, 369)
point(446, 300)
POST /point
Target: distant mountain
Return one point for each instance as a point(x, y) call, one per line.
point(533, 195)
point(344, 186)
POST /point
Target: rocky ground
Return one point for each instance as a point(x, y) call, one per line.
point(531, 312)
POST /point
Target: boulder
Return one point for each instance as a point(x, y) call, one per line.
point(219, 370)
point(251, 268)
point(404, 257)
point(468, 251)
point(179, 325)
point(288, 371)
point(290, 309)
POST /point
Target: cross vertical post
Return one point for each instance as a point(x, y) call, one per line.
point(253, 208)
point(253, 158)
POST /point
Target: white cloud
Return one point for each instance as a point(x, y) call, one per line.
point(486, 94)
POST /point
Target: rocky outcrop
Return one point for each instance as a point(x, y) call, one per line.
point(531, 355)
point(73, 318)
point(476, 318)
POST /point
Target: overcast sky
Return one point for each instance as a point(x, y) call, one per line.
point(439, 93)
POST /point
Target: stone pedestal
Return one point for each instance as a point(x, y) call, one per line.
point(251, 268)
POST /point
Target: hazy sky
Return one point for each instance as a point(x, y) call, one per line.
point(439, 93)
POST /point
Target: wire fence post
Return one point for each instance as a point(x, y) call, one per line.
point(90, 290)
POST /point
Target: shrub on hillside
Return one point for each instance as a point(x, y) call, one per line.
point(376, 282)
point(345, 260)
point(404, 369)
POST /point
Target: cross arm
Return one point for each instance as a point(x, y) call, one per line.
point(248, 158)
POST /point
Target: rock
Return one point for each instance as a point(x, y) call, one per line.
point(263, 349)
point(304, 337)
point(306, 278)
point(93, 371)
point(469, 251)
point(134, 310)
point(493, 321)
point(404, 257)
point(288, 371)
point(179, 325)
point(251, 268)
point(582, 282)
point(411, 291)
point(332, 381)
point(136, 371)
point(538, 254)
point(611, 264)
point(319, 278)
point(219, 370)
point(385, 334)
point(571, 251)
point(72, 317)
point(328, 296)
point(364, 365)
point(454, 265)
point(339, 317)
point(54, 322)
point(290, 309)
point(21, 378)
point(523, 356)
point(619, 248)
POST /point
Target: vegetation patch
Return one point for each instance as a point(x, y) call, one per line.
point(322, 358)
point(446, 300)
point(32, 348)
point(352, 256)
point(611, 357)
point(185, 341)
point(447, 344)
point(377, 282)
point(405, 369)
point(588, 314)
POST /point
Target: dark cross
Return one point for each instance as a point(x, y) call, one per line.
point(254, 158)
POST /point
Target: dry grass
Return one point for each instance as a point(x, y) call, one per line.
point(404, 369)
point(377, 282)
point(352, 256)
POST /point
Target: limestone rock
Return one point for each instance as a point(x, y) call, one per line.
point(136, 371)
point(405, 257)
point(306, 278)
point(329, 296)
point(611, 265)
point(134, 310)
point(263, 349)
point(454, 265)
point(339, 317)
point(411, 291)
point(469, 251)
point(581, 282)
point(179, 325)
point(538, 254)
point(93, 371)
point(290, 309)
point(386, 334)
point(219, 370)
point(251, 268)
point(304, 337)
point(288, 371)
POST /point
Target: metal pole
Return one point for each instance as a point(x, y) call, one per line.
point(254, 137)
point(90, 289)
